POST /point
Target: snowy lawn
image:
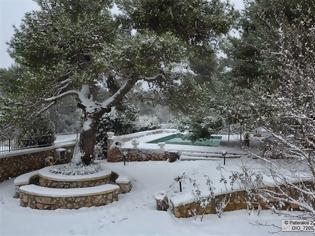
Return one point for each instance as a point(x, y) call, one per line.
point(134, 213)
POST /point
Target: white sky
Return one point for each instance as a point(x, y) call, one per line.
point(11, 13)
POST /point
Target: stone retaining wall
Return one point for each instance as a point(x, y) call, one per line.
point(115, 154)
point(239, 200)
point(45, 182)
point(52, 203)
point(19, 163)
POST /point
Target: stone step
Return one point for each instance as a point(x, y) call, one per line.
point(37, 190)
point(24, 179)
point(210, 154)
point(39, 197)
point(195, 158)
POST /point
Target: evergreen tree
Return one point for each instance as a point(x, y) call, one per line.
point(77, 48)
point(8, 80)
point(255, 59)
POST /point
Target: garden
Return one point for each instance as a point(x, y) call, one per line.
point(137, 117)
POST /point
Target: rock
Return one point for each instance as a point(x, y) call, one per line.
point(50, 160)
point(172, 157)
point(39, 206)
point(161, 201)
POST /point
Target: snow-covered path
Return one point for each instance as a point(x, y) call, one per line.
point(134, 213)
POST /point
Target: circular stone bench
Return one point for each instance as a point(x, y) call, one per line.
point(52, 180)
point(25, 179)
point(39, 197)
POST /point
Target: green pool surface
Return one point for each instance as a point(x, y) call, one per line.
point(214, 141)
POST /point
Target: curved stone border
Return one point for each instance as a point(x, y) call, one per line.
point(38, 197)
point(25, 179)
point(51, 180)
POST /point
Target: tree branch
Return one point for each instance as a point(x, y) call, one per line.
point(121, 92)
point(58, 97)
point(46, 108)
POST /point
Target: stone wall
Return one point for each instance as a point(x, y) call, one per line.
point(115, 154)
point(237, 201)
point(17, 163)
point(240, 200)
point(74, 184)
point(52, 203)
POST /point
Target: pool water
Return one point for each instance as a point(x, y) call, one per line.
point(213, 141)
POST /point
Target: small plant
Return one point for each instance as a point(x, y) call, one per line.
point(203, 199)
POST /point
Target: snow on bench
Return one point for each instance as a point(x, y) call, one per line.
point(46, 173)
point(67, 192)
point(25, 178)
point(44, 198)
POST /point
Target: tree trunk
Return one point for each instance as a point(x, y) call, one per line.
point(87, 142)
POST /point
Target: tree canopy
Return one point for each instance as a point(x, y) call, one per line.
point(79, 48)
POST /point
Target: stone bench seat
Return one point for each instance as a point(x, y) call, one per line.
point(39, 197)
point(52, 180)
point(24, 179)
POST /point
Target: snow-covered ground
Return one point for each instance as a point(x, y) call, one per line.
point(134, 213)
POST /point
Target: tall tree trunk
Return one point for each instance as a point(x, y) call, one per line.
point(87, 141)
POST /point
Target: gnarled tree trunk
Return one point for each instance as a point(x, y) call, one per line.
point(87, 139)
point(87, 143)
point(93, 111)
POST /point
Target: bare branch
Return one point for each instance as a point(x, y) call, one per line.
point(121, 92)
point(45, 108)
point(58, 97)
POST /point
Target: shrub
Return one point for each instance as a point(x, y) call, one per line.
point(40, 132)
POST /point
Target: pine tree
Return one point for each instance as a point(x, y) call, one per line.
point(77, 48)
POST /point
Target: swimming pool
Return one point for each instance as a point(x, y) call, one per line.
point(214, 141)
